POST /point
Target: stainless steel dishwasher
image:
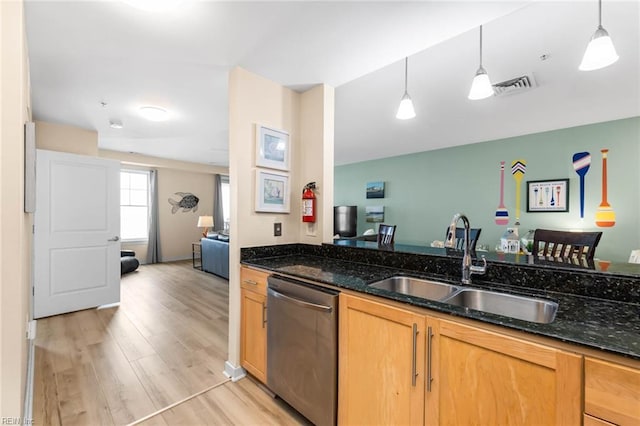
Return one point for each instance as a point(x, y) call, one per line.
point(302, 347)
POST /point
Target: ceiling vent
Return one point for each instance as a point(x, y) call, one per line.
point(514, 85)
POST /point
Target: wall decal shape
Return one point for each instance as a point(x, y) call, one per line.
point(186, 203)
point(581, 163)
point(605, 216)
point(502, 214)
point(518, 169)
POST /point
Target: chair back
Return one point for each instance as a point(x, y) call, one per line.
point(474, 234)
point(565, 244)
point(386, 234)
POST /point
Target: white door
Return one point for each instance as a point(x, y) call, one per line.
point(76, 236)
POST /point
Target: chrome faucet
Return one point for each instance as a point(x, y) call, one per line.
point(468, 267)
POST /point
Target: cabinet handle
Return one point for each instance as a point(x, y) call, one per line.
point(250, 282)
point(264, 314)
point(429, 347)
point(414, 372)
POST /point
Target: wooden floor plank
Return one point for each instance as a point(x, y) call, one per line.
point(166, 340)
point(125, 394)
point(82, 401)
point(162, 385)
point(46, 409)
point(239, 403)
point(125, 333)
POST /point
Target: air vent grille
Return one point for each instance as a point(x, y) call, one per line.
point(514, 85)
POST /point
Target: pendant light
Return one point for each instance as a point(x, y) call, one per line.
point(481, 86)
point(600, 52)
point(405, 110)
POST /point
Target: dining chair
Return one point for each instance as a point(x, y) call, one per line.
point(565, 244)
point(386, 234)
point(474, 234)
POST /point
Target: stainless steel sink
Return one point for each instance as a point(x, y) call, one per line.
point(417, 287)
point(520, 307)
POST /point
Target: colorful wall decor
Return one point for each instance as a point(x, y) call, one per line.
point(374, 214)
point(518, 169)
point(502, 214)
point(375, 190)
point(605, 216)
point(581, 163)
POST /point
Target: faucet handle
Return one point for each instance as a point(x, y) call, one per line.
point(477, 269)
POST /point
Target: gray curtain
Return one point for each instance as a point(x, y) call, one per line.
point(153, 248)
point(218, 217)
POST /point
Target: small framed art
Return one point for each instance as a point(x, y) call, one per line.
point(272, 192)
point(272, 148)
point(548, 195)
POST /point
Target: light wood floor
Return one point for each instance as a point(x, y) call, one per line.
point(165, 342)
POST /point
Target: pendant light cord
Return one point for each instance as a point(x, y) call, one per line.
point(480, 46)
point(599, 13)
point(406, 73)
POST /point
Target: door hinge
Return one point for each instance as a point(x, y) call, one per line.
point(33, 229)
point(33, 291)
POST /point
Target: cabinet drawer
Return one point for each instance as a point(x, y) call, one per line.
point(594, 421)
point(253, 280)
point(612, 392)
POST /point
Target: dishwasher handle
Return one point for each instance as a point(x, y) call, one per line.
point(301, 303)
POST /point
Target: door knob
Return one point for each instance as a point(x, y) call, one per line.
point(116, 238)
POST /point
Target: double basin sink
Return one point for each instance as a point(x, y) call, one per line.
point(520, 307)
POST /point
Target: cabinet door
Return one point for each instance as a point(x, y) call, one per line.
point(381, 375)
point(612, 392)
point(483, 377)
point(253, 334)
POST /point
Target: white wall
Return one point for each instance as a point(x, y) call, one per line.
point(308, 118)
point(316, 160)
point(15, 226)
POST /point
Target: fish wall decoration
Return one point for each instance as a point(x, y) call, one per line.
point(187, 202)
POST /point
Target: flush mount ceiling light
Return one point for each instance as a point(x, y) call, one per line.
point(115, 124)
point(481, 86)
point(600, 51)
point(154, 5)
point(405, 110)
point(153, 113)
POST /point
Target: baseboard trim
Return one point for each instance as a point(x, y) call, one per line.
point(233, 372)
point(28, 391)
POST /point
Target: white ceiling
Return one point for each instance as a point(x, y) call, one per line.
point(82, 53)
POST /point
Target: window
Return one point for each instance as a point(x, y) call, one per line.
point(134, 205)
point(226, 201)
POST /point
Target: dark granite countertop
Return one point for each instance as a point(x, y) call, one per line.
point(609, 325)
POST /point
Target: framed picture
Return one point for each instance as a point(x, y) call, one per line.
point(272, 148)
point(374, 214)
point(548, 195)
point(272, 192)
point(375, 189)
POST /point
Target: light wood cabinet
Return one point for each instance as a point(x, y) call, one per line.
point(381, 363)
point(485, 377)
point(611, 393)
point(253, 328)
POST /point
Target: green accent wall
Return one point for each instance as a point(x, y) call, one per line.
point(424, 190)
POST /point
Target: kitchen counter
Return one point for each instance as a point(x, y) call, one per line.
point(609, 325)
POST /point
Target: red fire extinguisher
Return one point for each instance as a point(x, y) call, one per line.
point(309, 203)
